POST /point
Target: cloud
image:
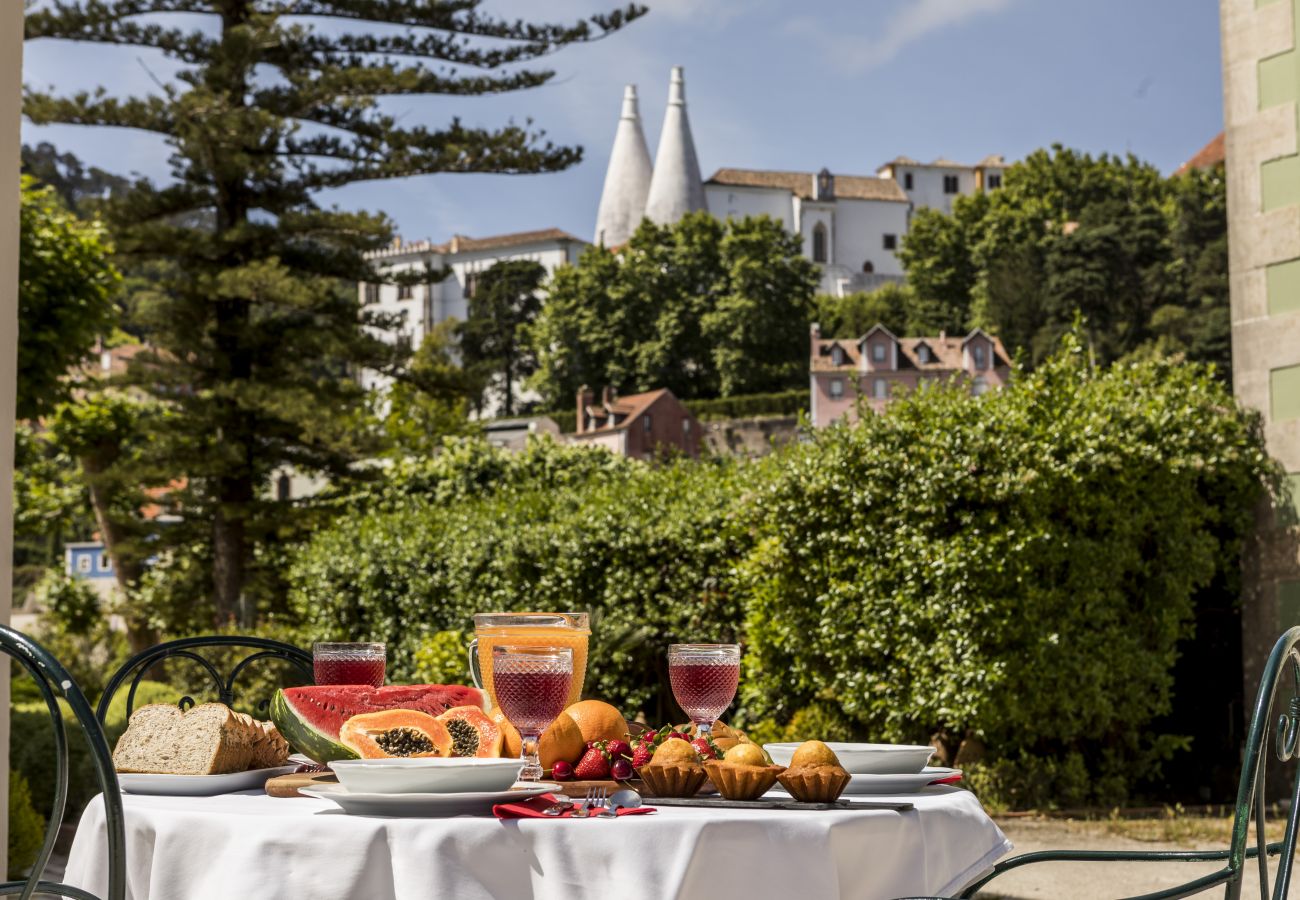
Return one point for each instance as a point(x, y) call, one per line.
point(856, 53)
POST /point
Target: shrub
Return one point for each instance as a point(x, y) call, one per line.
point(1018, 567)
point(782, 403)
point(26, 827)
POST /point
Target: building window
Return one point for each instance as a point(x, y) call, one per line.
point(878, 353)
point(837, 388)
point(837, 356)
point(686, 427)
point(977, 352)
point(995, 181)
point(868, 267)
point(891, 242)
point(105, 564)
point(645, 424)
point(924, 355)
point(880, 389)
point(471, 284)
point(979, 386)
point(907, 181)
point(283, 487)
point(950, 184)
point(405, 292)
point(819, 243)
point(83, 563)
point(372, 293)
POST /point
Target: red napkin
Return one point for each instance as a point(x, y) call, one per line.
point(533, 806)
point(949, 779)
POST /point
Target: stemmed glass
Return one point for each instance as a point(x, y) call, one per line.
point(704, 679)
point(532, 688)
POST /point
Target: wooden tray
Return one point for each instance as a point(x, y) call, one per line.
point(842, 803)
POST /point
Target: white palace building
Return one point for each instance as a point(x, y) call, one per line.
point(851, 225)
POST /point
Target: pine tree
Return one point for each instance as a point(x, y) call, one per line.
point(253, 319)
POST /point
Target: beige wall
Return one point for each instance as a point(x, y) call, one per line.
point(11, 73)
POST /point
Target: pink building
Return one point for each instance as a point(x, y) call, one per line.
point(878, 366)
point(640, 426)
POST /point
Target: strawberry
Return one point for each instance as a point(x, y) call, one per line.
point(679, 736)
point(617, 748)
point(705, 748)
point(593, 765)
point(642, 754)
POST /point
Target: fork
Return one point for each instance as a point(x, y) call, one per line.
point(595, 799)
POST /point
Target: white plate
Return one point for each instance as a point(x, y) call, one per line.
point(427, 775)
point(423, 804)
point(199, 785)
point(860, 785)
point(866, 759)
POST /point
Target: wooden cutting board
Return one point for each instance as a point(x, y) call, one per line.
point(288, 785)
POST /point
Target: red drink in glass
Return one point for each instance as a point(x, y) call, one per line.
point(349, 671)
point(704, 679)
point(532, 700)
point(532, 688)
point(348, 663)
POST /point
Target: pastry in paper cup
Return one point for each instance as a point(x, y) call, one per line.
point(740, 782)
point(673, 781)
point(815, 784)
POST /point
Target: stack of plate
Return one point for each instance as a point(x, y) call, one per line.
point(879, 768)
point(426, 786)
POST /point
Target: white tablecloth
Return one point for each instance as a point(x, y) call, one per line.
point(248, 846)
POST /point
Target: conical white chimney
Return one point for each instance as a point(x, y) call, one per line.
point(627, 180)
point(676, 187)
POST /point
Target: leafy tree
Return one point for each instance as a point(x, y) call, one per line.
point(431, 401)
point(702, 307)
point(254, 321)
point(51, 505)
point(1141, 257)
point(896, 306)
point(65, 296)
point(505, 302)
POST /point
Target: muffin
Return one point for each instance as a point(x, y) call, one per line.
point(742, 782)
point(815, 784)
point(673, 780)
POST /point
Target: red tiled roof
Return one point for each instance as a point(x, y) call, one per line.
point(629, 408)
point(1207, 157)
point(847, 187)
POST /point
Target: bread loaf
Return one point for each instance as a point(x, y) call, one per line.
point(209, 739)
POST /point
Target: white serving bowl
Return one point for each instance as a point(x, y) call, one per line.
point(426, 775)
point(866, 759)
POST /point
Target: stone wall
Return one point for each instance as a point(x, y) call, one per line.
point(749, 437)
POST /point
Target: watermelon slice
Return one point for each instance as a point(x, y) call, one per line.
point(309, 718)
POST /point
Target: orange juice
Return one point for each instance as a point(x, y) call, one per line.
point(530, 630)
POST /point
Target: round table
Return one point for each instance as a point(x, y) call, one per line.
point(250, 846)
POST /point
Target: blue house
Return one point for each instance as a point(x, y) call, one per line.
point(88, 560)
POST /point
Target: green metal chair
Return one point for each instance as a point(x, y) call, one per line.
point(1281, 679)
point(192, 649)
point(55, 682)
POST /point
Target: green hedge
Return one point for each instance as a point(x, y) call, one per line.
point(1015, 569)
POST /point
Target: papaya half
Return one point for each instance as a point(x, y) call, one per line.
point(472, 732)
point(395, 732)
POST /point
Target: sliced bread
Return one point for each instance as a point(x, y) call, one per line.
point(209, 739)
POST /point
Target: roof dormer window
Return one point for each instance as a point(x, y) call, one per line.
point(979, 353)
point(825, 185)
point(837, 355)
point(878, 352)
point(924, 354)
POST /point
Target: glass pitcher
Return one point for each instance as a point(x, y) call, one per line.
point(566, 629)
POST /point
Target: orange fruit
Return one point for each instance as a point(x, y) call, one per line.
point(598, 721)
point(562, 741)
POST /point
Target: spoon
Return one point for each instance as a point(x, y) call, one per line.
point(624, 799)
point(562, 803)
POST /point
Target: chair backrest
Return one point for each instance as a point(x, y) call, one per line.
point(1281, 737)
point(55, 682)
point(194, 649)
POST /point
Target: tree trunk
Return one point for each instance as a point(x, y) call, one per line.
point(228, 545)
point(126, 565)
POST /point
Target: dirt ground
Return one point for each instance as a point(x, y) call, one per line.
point(1110, 881)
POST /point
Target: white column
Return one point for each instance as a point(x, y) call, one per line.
point(11, 79)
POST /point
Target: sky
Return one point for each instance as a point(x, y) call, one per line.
point(771, 84)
